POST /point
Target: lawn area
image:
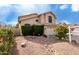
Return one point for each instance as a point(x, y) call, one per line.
point(44, 46)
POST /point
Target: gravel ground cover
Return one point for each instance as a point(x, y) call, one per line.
point(43, 46)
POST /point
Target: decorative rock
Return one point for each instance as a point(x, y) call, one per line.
point(23, 44)
point(45, 45)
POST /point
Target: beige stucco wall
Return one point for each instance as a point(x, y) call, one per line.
point(31, 21)
point(49, 30)
point(42, 19)
point(53, 19)
point(28, 16)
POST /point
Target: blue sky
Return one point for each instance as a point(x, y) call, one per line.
point(68, 13)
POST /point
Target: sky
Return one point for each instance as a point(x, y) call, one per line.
point(68, 13)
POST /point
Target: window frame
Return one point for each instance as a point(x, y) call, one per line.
point(50, 19)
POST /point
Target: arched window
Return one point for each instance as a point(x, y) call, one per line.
point(49, 19)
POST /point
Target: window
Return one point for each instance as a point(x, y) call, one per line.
point(49, 19)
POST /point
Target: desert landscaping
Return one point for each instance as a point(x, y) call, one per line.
point(36, 35)
point(43, 46)
point(12, 43)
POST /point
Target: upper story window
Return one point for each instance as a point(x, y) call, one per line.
point(49, 19)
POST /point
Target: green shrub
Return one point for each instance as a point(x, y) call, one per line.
point(7, 34)
point(23, 30)
point(61, 31)
point(5, 47)
point(38, 29)
point(27, 30)
point(32, 30)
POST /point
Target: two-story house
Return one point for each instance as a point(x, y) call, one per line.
point(47, 19)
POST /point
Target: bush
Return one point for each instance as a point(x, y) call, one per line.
point(5, 49)
point(27, 30)
point(6, 45)
point(6, 34)
point(38, 30)
point(61, 32)
point(32, 30)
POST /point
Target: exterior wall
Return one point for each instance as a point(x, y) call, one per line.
point(49, 31)
point(30, 21)
point(27, 16)
point(42, 19)
point(53, 19)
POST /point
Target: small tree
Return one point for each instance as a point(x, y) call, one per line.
point(61, 32)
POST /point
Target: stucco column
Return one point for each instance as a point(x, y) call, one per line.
point(69, 34)
point(20, 29)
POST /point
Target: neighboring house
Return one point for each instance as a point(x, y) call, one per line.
point(47, 19)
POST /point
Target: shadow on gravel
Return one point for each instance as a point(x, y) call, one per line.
point(42, 40)
point(75, 45)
